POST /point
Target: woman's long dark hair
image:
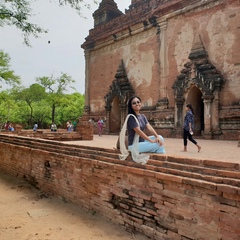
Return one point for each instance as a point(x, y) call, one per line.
point(190, 107)
point(130, 109)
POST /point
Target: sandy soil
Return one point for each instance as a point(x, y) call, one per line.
point(28, 214)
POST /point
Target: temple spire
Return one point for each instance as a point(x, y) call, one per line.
point(107, 11)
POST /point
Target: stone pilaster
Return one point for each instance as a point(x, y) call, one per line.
point(179, 112)
point(87, 101)
point(123, 113)
point(108, 122)
point(208, 101)
point(163, 100)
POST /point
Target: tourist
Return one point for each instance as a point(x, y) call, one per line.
point(69, 126)
point(10, 127)
point(100, 126)
point(6, 125)
point(53, 127)
point(74, 125)
point(188, 127)
point(138, 141)
point(35, 127)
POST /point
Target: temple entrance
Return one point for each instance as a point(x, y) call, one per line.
point(116, 100)
point(195, 98)
point(199, 73)
point(115, 116)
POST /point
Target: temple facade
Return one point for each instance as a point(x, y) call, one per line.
point(169, 53)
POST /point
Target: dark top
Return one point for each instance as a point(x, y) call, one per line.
point(133, 124)
point(189, 118)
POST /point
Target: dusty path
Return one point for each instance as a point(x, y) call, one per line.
point(27, 214)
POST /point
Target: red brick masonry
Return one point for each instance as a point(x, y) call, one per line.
point(169, 198)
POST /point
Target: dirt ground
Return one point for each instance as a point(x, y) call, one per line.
point(28, 214)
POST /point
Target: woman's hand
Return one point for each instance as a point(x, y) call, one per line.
point(156, 140)
point(159, 141)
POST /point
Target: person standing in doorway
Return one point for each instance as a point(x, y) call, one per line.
point(188, 127)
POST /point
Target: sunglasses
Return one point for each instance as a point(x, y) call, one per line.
point(137, 102)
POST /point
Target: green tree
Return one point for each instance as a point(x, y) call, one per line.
point(7, 107)
point(72, 108)
point(18, 13)
point(56, 87)
point(28, 105)
point(42, 113)
point(6, 75)
point(32, 95)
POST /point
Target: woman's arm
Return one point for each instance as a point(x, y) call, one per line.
point(152, 131)
point(142, 134)
point(145, 137)
point(190, 120)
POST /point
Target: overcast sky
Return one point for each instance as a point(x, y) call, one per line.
point(66, 32)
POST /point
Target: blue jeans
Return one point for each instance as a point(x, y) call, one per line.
point(148, 147)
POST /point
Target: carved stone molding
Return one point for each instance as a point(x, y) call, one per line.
point(199, 72)
point(121, 88)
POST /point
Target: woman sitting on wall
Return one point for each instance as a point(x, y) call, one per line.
point(138, 141)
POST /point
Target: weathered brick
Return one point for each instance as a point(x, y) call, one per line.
point(228, 189)
point(136, 197)
point(168, 177)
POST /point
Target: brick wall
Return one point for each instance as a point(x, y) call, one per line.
point(169, 198)
point(84, 131)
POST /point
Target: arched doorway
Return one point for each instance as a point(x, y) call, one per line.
point(199, 74)
point(116, 100)
point(195, 98)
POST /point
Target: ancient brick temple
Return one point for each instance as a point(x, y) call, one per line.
point(169, 53)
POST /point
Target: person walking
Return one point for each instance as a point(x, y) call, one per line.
point(188, 127)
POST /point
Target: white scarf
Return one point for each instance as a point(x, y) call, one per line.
point(136, 156)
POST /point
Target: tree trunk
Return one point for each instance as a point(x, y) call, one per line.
point(53, 112)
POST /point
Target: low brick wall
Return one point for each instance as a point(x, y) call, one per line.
point(84, 131)
point(60, 135)
point(169, 198)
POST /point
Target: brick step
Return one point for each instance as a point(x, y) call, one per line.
point(191, 168)
point(198, 169)
point(229, 177)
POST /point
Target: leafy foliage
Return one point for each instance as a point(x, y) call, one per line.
point(18, 12)
point(7, 75)
point(26, 106)
point(35, 93)
point(55, 88)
